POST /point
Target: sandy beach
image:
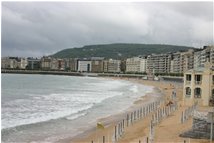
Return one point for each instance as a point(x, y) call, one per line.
point(167, 130)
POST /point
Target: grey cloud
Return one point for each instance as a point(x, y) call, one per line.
point(42, 28)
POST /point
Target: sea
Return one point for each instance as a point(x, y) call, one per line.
point(50, 108)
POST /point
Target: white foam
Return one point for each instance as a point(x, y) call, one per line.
point(134, 88)
point(40, 108)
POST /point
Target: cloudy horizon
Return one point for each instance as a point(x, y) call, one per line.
point(43, 28)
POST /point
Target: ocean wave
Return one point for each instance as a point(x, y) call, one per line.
point(43, 108)
point(134, 88)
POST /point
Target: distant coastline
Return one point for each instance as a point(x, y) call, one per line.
point(69, 73)
point(40, 72)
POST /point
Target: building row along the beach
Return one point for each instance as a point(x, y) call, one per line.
point(13, 63)
point(94, 64)
point(178, 62)
point(199, 77)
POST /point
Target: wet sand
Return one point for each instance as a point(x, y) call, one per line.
point(167, 131)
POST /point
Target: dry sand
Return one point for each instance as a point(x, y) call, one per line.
point(166, 132)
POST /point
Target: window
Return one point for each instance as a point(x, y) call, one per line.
point(213, 93)
point(197, 93)
point(188, 77)
point(213, 79)
point(188, 91)
point(198, 79)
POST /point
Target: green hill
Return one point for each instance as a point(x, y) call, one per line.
point(117, 50)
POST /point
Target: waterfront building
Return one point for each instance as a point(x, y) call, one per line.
point(5, 63)
point(187, 60)
point(73, 64)
point(54, 64)
point(197, 59)
point(67, 63)
point(84, 65)
point(114, 66)
point(182, 61)
point(33, 64)
point(105, 66)
point(97, 64)
point(199, 86)
point(136, 64)
point(13, 63)
point(46, 63)
point(203, 55)
point(23, 63)
point(61, 64)
point(158, 63)
point(175, 66)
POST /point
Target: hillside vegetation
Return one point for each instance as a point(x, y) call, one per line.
point(117, 51)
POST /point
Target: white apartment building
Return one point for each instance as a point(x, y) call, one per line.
point(158, 63)
point(182, 61)
point(14, 62)
point(22, 63)
point(175, 66)
point(206, 54)
point(199, 86)
point(5, 62)
point(84, 66)
point(46, 63)
point(197, 59)
point(187, 60)
point(54, 64)
point(136, 64)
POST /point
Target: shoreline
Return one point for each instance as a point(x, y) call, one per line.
point(109, 121)
point(115, 112)
point(168, 130)
point(140, 129)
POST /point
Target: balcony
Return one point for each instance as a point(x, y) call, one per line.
point(198, 82)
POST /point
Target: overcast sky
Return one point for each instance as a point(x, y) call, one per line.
point(43, 28)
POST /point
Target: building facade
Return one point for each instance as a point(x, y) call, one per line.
point(175, 66)
point(113, 66)
point(199, 86)
point(73, 64)
point(204, 55)
point(158, 63)
point(13, 63)
point(187, 60)
point(97, 66)
point(84, 66)
point(5, 63)
point(46, 63)
point(136, 64)
point(33, 64)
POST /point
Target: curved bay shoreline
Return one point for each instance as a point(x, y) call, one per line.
point(167, 131)
point(109, 122)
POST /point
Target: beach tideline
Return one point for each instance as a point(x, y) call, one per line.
point(167, 131)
